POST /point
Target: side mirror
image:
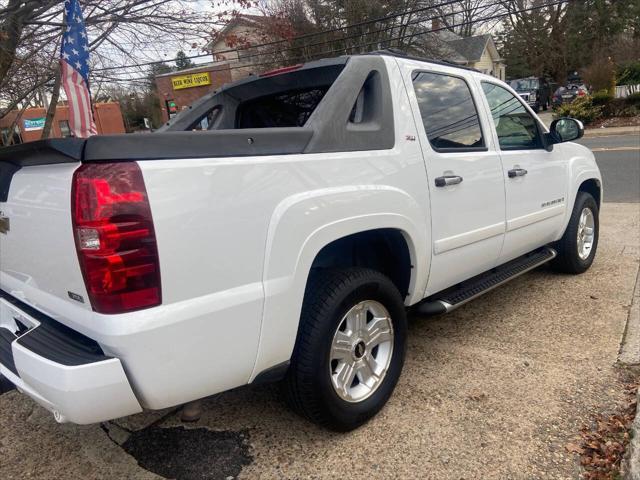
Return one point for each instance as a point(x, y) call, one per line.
point(566, 130)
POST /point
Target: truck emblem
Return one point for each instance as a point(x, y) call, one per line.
point(76, 297)
point(4, 224)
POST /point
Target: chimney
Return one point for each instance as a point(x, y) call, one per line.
point(435, 24)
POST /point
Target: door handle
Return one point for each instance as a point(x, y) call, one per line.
point(517, 172)
point(447, 180)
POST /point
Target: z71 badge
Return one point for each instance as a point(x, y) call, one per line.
point(4, 224)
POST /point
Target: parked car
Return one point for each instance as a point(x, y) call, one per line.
point(536, 91)
point(568, 94)
point(285, 241)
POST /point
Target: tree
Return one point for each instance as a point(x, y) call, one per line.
point(307, 29)
point(464, 18)
point(556, 39)
point(182, 61)
point(119, 30)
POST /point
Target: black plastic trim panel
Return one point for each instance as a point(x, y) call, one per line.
point(7, 170)
point(54, 341)
point(210, 144)
point(44, 152)
point(6, 355)
point(272, 374)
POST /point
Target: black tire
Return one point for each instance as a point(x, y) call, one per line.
point(568, 260)
point(330, 294)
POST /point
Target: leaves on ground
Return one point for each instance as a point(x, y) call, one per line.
point(603, 443)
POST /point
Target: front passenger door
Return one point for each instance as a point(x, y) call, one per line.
point(535, 179)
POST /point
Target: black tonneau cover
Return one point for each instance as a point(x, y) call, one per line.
point(43, 152)
point(159, 145)
point(156, 146)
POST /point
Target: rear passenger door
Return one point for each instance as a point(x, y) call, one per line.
point(535, 179)
point(466, 186)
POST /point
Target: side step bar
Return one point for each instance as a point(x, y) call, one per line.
point(454, 297)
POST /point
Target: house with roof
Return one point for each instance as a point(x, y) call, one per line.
point(478, 52)
point(233, 43)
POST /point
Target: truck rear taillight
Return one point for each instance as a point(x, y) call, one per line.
point(115, 238)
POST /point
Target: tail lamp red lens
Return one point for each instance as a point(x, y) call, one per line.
point(115, 238)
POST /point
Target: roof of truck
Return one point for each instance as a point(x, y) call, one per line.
point(340, 60)
point(396, 53)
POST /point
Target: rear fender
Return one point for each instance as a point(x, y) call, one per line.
point(305, 223)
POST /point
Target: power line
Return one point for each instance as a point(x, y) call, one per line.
point(389, 40)
point(306, 35)
point(325, 42)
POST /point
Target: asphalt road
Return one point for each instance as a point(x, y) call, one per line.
point(618, 157)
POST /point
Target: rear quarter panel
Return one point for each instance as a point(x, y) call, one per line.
point(243, 232)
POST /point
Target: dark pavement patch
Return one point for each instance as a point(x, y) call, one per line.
point(190, 454)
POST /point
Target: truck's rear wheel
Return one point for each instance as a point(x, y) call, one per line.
point(577, 247)
point(350, 347)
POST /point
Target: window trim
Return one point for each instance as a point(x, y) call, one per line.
point(484, 148)
point(541, 140)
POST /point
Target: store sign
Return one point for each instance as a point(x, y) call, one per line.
point(190, 81)
point(31, 124)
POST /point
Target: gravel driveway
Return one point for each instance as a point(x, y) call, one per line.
point(495, 389)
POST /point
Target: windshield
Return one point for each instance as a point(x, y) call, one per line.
point(524, 84)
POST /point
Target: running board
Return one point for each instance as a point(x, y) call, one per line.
point(454, 297)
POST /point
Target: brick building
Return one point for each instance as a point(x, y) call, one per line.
point(177, 90)
point(29, 125)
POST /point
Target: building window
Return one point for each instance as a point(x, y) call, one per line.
point(64, 128)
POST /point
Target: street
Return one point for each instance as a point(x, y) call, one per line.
point(618, 157)
point(494, 390)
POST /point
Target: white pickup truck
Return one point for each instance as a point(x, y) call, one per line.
point(278, 229)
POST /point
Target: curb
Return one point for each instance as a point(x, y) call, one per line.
point(631, 463)
point(603, 132)
point(629, 354)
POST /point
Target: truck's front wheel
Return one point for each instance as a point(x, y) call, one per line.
point(577, 247)
point(350, 347)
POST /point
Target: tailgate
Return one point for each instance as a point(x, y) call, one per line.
point(38, 259)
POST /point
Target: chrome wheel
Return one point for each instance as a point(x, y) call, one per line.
point(586, 233)
point(361, 351)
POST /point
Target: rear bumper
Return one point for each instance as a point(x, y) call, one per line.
point(62, 370)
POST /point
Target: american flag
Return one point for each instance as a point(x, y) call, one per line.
point(74, 68)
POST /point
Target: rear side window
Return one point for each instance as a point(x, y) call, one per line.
point(448, 112)
point(291, 108)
